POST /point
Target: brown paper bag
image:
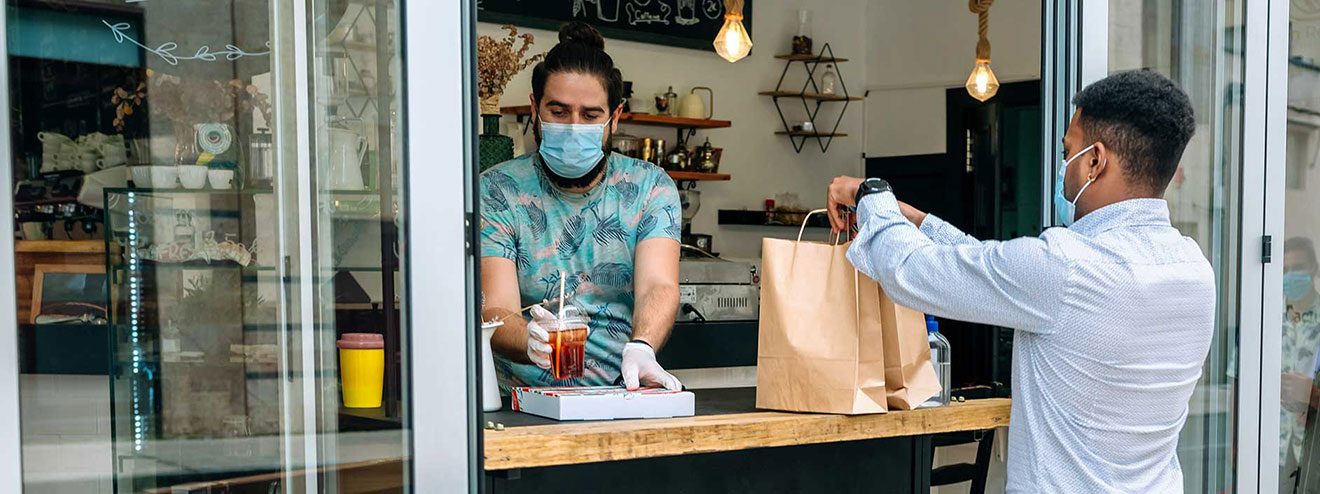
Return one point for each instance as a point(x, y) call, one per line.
point(820, 347)
point(909, 373)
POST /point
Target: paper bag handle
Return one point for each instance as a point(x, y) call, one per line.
point(837, 235)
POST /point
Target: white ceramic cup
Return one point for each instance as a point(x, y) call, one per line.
point(112, 155)
point(221, 179)
point(164, 177)
point(192, 176)
point(141, 175)
point(87, 162)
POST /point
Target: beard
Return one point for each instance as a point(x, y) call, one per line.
point(575, 183)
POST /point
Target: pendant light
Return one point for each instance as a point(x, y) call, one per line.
point(733, 43)
point(982, 84)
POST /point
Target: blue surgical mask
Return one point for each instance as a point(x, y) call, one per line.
point(1064, 209)
point(1296, 284)
point(572, 150)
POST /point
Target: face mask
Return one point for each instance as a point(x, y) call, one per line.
point(1296, 284)
point(1063, 208)
point(572, 150)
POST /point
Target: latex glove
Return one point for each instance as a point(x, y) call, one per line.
point(639, 365)
point(538, 339)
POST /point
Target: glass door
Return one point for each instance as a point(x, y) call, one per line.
point(211, 201)
point(1204, 47)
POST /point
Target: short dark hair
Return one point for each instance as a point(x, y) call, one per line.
point(581, 49)
point(1144, 118)
point(1303, 245)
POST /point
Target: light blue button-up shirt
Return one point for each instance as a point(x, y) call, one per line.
point(1113, 319)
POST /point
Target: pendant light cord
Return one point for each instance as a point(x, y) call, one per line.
point(735, 8)
point(982, 10)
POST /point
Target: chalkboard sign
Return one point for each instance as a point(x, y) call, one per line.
point(685, 23)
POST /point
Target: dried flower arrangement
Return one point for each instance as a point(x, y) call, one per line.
point(497, 63)
point(188, 101)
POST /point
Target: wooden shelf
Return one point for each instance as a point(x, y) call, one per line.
point(675, 122)
point(709, 177)
point(642, 119)
point(811, 58)
point(811, 96)
point(801, 133)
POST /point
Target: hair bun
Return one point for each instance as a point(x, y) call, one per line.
point(581, 33)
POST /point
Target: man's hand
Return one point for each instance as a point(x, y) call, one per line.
point(842, 194)
point(639, 366)
point(538, 338)
point(1296, 391)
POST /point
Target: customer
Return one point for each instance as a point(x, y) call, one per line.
point(608, 223)
point(1299, 362)
point(1114, 313)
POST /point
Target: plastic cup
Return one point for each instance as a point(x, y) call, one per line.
point(568, 340)
point(362, 369)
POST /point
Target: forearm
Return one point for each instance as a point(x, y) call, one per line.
point(510, 340)
point(1015, 284)
point(653, 314)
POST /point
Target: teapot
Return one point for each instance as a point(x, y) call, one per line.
point(691, 105)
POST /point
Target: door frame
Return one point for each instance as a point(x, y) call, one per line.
point(441, 272)
point(11, 437)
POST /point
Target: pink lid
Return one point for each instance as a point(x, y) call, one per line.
point(361, 341)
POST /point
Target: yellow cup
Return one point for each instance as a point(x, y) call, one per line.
point(362, 369)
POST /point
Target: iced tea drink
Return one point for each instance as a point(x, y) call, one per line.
point(569, 351)
point(568, 342)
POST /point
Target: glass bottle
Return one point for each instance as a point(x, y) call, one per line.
point(802, 41)
point(829, 81)
point(939, 356)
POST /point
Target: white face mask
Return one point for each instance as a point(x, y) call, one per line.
point(1064, 209)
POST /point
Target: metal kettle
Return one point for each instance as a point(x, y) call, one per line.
point(260, 159)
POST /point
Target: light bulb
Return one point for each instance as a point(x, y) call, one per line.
point(732, 42)
point(982, 84)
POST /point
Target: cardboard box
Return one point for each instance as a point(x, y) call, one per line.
point(603, 403)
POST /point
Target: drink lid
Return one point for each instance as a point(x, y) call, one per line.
point(932, 326)
point(361, 341)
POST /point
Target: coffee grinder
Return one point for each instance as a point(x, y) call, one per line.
point(690, 198)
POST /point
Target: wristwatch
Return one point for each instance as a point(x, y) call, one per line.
point(871, 186)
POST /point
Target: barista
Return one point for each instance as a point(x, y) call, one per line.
point(608, 223)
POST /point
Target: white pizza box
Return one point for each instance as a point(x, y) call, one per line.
point(603, 403)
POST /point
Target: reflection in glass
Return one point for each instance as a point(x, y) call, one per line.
point(165, 136)
point(1199, 45)
point(1299, 359)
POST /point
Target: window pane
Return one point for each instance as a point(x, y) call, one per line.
point(210, 253)
point(1198, 44)
point(1299, 461)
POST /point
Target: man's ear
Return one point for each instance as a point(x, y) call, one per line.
point(1099, 163)
point(614, 122)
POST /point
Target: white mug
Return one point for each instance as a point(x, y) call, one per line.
point(87, 162)
point(192, 176)
point(221, 179)
point(113, 154)
point(164, 177)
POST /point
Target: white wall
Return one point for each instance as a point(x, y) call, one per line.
point(762, 163)
point(919, 49)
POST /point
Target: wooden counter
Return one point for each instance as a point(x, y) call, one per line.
point(588, 442)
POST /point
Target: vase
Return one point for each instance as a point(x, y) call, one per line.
point(490, 393)
point(495, 148)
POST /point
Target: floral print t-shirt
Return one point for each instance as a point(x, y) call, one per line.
point(590, 237)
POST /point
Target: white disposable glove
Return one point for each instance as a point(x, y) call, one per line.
point(538, 339)
point(639, 365)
